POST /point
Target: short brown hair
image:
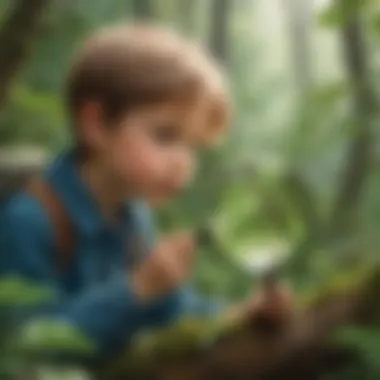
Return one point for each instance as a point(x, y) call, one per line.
point(124, 67)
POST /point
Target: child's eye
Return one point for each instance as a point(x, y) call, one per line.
point(166, 134)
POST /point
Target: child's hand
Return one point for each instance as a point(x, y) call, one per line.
point(167, 267)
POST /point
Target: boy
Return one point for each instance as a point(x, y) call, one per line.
point(141, 101)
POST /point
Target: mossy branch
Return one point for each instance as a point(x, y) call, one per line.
point(208, 349)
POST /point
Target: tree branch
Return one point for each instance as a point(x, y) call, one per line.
point(364, 101)
point(302, 348)
point(219, 28)
point(16, 38)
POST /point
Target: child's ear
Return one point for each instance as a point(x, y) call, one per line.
point(91, 123)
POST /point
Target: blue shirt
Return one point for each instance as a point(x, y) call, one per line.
point(94, 293)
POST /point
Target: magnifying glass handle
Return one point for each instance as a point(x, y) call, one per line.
point(271, 278)
point(204, 237)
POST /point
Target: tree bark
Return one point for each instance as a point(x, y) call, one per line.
point(16, 39)
point(219, 31)
point(364, 107)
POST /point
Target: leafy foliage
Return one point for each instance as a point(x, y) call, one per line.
point(44, 336)
point(366, 343)
point(270, 187)
point(36, 340)
point(336, 15)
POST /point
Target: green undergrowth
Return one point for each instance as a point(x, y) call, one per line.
point(195, 336)
point(358, 278)
point(186, 338)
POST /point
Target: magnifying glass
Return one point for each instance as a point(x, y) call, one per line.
point(206, 237)
point(270, 281)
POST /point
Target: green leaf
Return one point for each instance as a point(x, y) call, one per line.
point(375, 23)
point(52, 336)
point(365, 341)
point(187, 335)
point(340, 12)
point(329, 94)
point(62, 373)
point(16, 292)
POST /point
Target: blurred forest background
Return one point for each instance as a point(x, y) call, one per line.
point(298, 181)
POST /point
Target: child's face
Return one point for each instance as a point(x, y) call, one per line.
point(151, 152)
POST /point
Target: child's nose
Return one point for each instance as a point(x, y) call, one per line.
point(180, 173)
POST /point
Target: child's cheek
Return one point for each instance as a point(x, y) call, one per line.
point(138, 162)
point(148, 167)
point(143, 167)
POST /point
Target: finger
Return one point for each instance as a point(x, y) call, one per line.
point(178, 253)
point(186, 247)
point(175, 263)
point(186, 238)
point(188, 256)
point(174, 253)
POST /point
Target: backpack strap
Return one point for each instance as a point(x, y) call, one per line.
point(59, 218)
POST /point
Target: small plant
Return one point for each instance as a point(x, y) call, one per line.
point(37, 342)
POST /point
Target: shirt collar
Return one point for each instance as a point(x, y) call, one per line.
point(82, 207)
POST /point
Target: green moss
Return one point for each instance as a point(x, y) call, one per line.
point(341, 282)
point(191, 336)
point(185, 337)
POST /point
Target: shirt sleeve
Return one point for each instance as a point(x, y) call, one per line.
point(26, 245)
point(185, 302)
point(197, 304)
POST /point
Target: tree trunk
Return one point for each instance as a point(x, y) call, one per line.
point(299, 14)
point(16, 38)
point(364, 107)
point(219, 31)
point(143, 9)
point(359, 157)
